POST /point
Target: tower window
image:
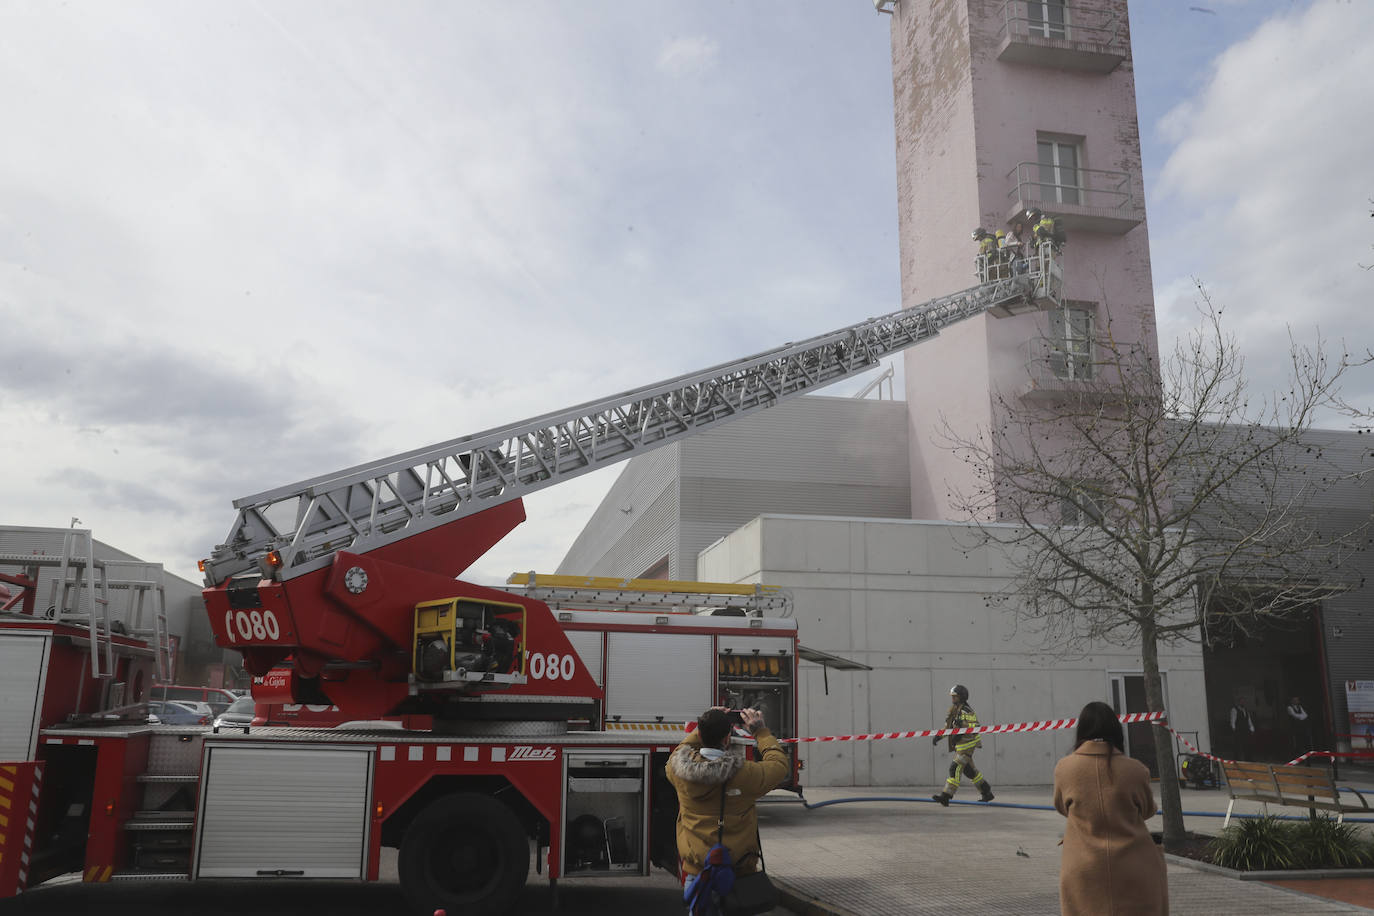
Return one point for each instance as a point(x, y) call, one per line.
point(1071, 343)
point(1059, 164)
point(1048, 18)
point(1080, 504)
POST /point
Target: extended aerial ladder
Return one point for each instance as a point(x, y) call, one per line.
point(341, 574)
point(290, 531)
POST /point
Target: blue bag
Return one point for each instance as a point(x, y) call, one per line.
point(703, 892)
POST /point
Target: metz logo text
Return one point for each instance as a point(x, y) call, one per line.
point(531, 753)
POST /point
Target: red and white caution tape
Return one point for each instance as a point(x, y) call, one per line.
point(1201, 753)
point(1196, 750)
point(1159, 718)
point(1043, 726)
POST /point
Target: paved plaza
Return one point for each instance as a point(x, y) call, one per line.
point(854, 859)
point(893, 858)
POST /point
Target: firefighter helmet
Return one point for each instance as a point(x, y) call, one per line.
point(960, 691)
point(979, 234)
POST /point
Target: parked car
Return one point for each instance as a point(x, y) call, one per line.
point(239, 714)
point(217, 697)
point(170, 712)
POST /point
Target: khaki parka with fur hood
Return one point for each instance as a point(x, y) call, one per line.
point(699, 781)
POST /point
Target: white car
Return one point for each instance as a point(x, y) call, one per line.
point(239, 714)
point(204, 709)
point(170, 712)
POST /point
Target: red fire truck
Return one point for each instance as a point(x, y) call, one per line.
point(660, 650)
point(342, 591)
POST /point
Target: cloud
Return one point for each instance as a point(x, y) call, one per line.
point(88, 487)
point(253, 243)
point(1263, 197)
point(683, 56)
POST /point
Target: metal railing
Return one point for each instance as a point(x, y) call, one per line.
point(877, 384)
point(1029, 20)
point(1056, 364)
point(1040, 265)
point(1099, 189)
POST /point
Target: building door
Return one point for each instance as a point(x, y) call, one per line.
point(1128, 695)
point(1267, 663)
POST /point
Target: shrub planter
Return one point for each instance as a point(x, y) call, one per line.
point(1271, 849)
point(1291, 874)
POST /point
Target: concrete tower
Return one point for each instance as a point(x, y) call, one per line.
point(1001, 105)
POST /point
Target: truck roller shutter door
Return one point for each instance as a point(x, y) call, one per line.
point(296, 811)
point(653, 675)
point(23, 663)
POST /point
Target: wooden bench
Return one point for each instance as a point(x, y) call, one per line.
point(1298, 786)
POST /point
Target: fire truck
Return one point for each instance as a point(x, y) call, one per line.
point(660, 650)
point(344, 590)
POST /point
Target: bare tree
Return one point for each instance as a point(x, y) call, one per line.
point(1140, 503)
point(1371, 213)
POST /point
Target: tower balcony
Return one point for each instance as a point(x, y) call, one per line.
point(1069, 36)
point(1058, 370)
point(1090, 200)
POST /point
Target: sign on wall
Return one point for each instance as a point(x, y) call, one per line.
point(1359, 702)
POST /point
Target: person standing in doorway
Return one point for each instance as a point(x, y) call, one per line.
point(1300, 726)
point(1242, 730)
point(961, 715)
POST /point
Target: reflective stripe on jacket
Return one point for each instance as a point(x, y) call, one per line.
point(962, 716)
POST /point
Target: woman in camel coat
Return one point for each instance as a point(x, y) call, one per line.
point(1111, 864)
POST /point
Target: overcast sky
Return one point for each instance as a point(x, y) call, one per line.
point(245, 243)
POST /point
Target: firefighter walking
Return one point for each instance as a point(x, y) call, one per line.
point(961, 715)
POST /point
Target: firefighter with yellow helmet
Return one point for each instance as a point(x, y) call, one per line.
point(961, 715)
point(987, 252)
point(1043, 228)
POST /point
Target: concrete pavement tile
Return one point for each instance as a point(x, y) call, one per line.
point(915, 857)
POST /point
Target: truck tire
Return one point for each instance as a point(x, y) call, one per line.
point(466, 853)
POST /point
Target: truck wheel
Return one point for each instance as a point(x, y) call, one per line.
point(466, 853)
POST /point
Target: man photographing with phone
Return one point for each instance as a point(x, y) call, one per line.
point(716, 789)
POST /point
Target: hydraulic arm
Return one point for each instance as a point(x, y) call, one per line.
point(352, 574)
point(289, 531)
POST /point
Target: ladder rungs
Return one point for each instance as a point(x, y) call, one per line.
point(371, 505)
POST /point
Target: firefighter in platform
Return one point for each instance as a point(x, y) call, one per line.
point(987, 252)
point(1043, 228)
point(1002, 270)
point(961, 715)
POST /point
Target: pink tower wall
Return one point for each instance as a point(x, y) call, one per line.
point(964, 120)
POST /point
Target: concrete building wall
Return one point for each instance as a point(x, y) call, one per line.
point(910, 599)
point(1338, 467)
point(811, 455)
point(636, 523)
point(965, 117)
